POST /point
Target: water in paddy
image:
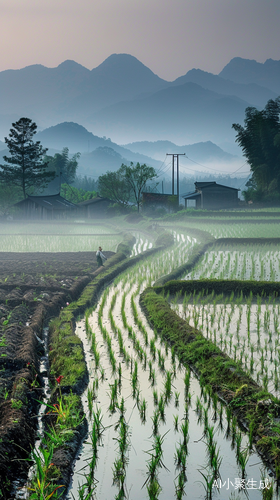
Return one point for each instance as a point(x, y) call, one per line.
point(190, 409)
point(249, 332)
point(141, 244)
point(261, 263)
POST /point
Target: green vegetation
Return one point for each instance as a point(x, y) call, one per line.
point(243, 326)
point(235, 229)
point(66, 355)
point(25, 167)
point(260, 143)
point(63, 166)
point(58, 243)
point(126, 184)
point(43, 485)
point(76, 195)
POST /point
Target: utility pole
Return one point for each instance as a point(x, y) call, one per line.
point(177, 159)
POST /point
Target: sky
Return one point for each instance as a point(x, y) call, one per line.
point(169, 36)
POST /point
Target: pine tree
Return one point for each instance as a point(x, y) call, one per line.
point(25, 167)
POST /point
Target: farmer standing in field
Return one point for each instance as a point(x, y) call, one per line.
point(100, 257)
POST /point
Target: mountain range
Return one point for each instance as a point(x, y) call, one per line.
point(125, 100)
point(99, 154)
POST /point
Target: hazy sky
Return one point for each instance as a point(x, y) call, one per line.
point(169, 36)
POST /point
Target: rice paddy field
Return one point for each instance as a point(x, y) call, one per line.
point(65, 237)
point(259, 261)
point(57, 237)
point(222, 228)
point(247, 330)
point(153, 430)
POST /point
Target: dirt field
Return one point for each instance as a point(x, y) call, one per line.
point(33, 289)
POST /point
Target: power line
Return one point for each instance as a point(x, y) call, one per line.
point(166, 168)
point(163, 168)
point(193, 170)
point(239, 168)
point(212, 169)
point(160, 168)
point(245, 180)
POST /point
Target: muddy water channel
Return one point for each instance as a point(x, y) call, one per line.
point(153, 432)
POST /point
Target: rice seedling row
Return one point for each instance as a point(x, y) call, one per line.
point(247, 330)
point(256, 262)
point(228, 229)
point(141, 244)
point(56, 227)
point(58, 243)
point(154, 444)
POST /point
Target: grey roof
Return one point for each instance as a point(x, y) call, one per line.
point(203, 185)
point(51, 202)
point(191, 196)
point(93, 201)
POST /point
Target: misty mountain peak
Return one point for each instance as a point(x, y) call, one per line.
point(127, 68)
point(122, 62)
point(70, 65)
point(246, 71)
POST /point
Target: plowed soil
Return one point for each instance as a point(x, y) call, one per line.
point(33, 289)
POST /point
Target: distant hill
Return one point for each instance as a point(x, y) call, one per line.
point(70, 91)
point(121, 77)
point(36, 89)
point(183, 113)
point(250, 92)
point(99, 161)
point(98, 154)
point(71, 135)
point(201, 151)
point(249, 71)
point(125, 100)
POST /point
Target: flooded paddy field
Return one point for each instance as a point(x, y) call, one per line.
point(237, 229)
point(246, 329)
point(153, 430)
point(136, 381)
point(57, 237)
point(259, 261)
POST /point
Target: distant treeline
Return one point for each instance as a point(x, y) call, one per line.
point(86, 183)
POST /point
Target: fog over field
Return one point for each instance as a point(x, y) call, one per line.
point(139, 250)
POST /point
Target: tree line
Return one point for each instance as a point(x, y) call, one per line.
point(29, 170)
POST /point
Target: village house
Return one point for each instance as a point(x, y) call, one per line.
point(45, 207)
point(210, 195)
